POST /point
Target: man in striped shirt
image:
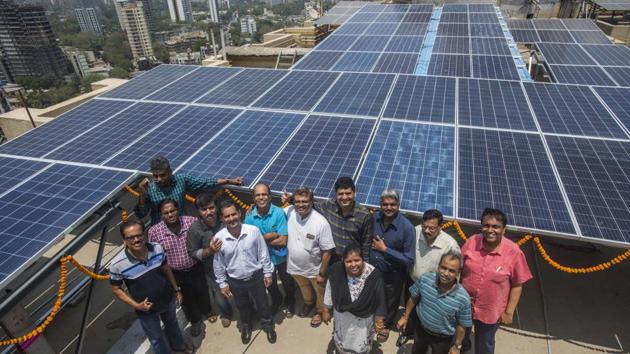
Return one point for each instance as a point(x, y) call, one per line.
point(443, 307)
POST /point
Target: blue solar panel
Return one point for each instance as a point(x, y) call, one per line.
point(15, 171)
point(193, 86)
point(372, 8)
point(40, 211)
point(387, 28)
point(616, 55)
point(555, 36)
point(412, 29)
point(494, 104)
point(520, 24)
point(548, 24)
point(352, 28)
point(299, 90)
point(396, 63)
point(420, 167)
point(510, 171)
point(525, 35)
point(100, 143)
point(485, 30)
point(596, 177)
point(244, 88)
point(318, 60)
point(561, 53)
point(581, 74)
point(315, 157)
point(370, 44)
point(575, 110)
point(489, 46)
point(494, 67)
point(422, 98)
point(396, 8)
point(227, 155)
point(363, 17)
point(454, 17)
point(453, 29)
point(618, 100)
point(40, 141)
point(357, 61)
point(481, 8)
point(484, 18)
point(354, 93)
point(405, 44)
point(590, 37)
point(450, 65)
point(177, 139)
point(337, 42)
point(580, 24)
point(150, 81)
point(455, 8)
point(417, 17)
point(621, 75)
point(420, 8)
point(390, 17)
point(452, 45)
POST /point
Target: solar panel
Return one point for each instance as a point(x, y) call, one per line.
point(100, 143)
point(386, 28)
point(520, 24)
point(525, 36)
point(590, 37)
point(453, 29)
point(548, 24)
point(244, 88)
point(454, 17)
point(621, 75)
point(318, 60)
point(150, 81)
point(575, 110)
point(299, 90)
point(580, 24)
point(357, 93)
point(490, 46)
point(390, 17)
point(15, 171)
point(405, 44)
point(510, 171)
point(372, 8)
point(616, 55)
point(563, 53)
point(581, 75)
point(226, 155)
point(40, 211)
point(483, 18)
point(352, 28)
point(415, 159)
point(422, 98)
point(412, 29)
point(481, 8)
point(396, 8)
point(449, 65)
point(455, 8)
point(40, 141)
point(554, 36)
point(417, 17)
point(396, 63)
point(357, 61)
point(494, 104)
point(596, 177)
point(337, 42)
point(494, 67)
point(177, 139)
point(618, 100)
point(363, 17)
point(420, 8)
point(452, 45)
point(485, 30)
point(315, 157)
point(193, 86)
point(370, 44)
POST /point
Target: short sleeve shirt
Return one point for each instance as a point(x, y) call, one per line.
point(274, 221)
point(428, 257)
point(175, 246)
point(488, 276)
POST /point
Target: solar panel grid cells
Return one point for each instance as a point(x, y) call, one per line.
point(548, 24)
point(494, 67)
point(412, 29)
point(193, 86)
point(481, 8)
point(15, 171)
point(451, 45)
point(483, 18)
point(358, 94)
point(525, 36)
point(370, 44)
point(299, 90)
point(420, 8)
point(386, 28)
point(494, 104)
point(396, 63)
point(150, 81)
point(395, 17)
point(454, 17)
point(453, 29)
point(491, 46)
point(245, 147)
point(396, 8)
point(352, 28)
point(510, 171)
point(575, 110)
point(244, 88)
point(618, 100)
point(40, 141)
point(422, 98)
point(582, 75)
point(596, 177)
point(363, 17)
point(621, 75)
point(590, 37)
point(555, 36)
point(318, 60)
point(580, 24)
point(337, 42)
point(322, 150)
point(100, 143)
point(415, 159)
point(357, 61)
point(615, 55)
point(177, 139)
point(405, 44)
point(449, 65)
point(520, 24)
point(372, 8)
point(486, 30)
point(417, 17)
point(455, 8)
point(563, 53)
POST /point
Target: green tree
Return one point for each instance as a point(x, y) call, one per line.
point(119, 73)
point(161, 53)
point(87, 80)
point(116, 51)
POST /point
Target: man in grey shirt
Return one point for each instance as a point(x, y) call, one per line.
point(202, 246)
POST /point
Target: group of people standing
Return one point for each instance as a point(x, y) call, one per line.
point(351, 266)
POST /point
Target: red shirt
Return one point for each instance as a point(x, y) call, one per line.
point(174, 245)
point(487, 276)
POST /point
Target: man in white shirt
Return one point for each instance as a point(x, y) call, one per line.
point(242, 268)
point(310, 247)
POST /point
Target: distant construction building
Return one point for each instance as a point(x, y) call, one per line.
point(180, 10)
point(133, 21)
point(88, 20)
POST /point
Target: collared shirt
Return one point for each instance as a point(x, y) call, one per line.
point(308, 237)
point(144, 279)
point(274, 221)
point(174, 245)
point(241, 257)
point(400, 239)
point(428, 257)
point(199, 237)
point(488, 276)
point(441, 313)
point(356, 227)
point(180, 184)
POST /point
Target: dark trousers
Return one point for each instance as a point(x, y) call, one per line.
point(412, 322)
point(484, 337)
point(196, 304)
point(162, 341)
point(423, 340)
point(217, 299)
point(393, 288)
point(247, 290)
point(288, 284)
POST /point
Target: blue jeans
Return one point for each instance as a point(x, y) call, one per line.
point(152, 328)
point(217, 299)
point(484, 337)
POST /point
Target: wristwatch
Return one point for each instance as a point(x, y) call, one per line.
point(178, 289)
point(458, 346)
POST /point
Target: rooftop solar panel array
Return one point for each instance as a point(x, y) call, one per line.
point(583, 31)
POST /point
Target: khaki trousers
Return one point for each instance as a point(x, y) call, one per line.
point(311, 297)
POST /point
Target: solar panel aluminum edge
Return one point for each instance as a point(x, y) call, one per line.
point(620, 73)
point(618, 100)
point(15, 170)
point(150, 81)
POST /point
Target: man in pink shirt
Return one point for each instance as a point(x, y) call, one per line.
point(494, 272)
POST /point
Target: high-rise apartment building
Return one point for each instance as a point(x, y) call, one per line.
point(214, 11)
point(248, 24)
point(88, 20)
point(28, 46)
point(133, 21)
point(180, 10)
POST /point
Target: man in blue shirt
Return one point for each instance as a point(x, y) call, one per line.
point(272, 222)
point(392, 251)
point(167, 185)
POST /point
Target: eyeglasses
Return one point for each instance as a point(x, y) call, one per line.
point(133, 237)
point(430, 228)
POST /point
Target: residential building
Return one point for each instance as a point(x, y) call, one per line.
point(79, 62)
point(213, 14)
point(88, 20)
point(180, 10)
point(133, 21)
point(183, 41)
point(248, 24)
